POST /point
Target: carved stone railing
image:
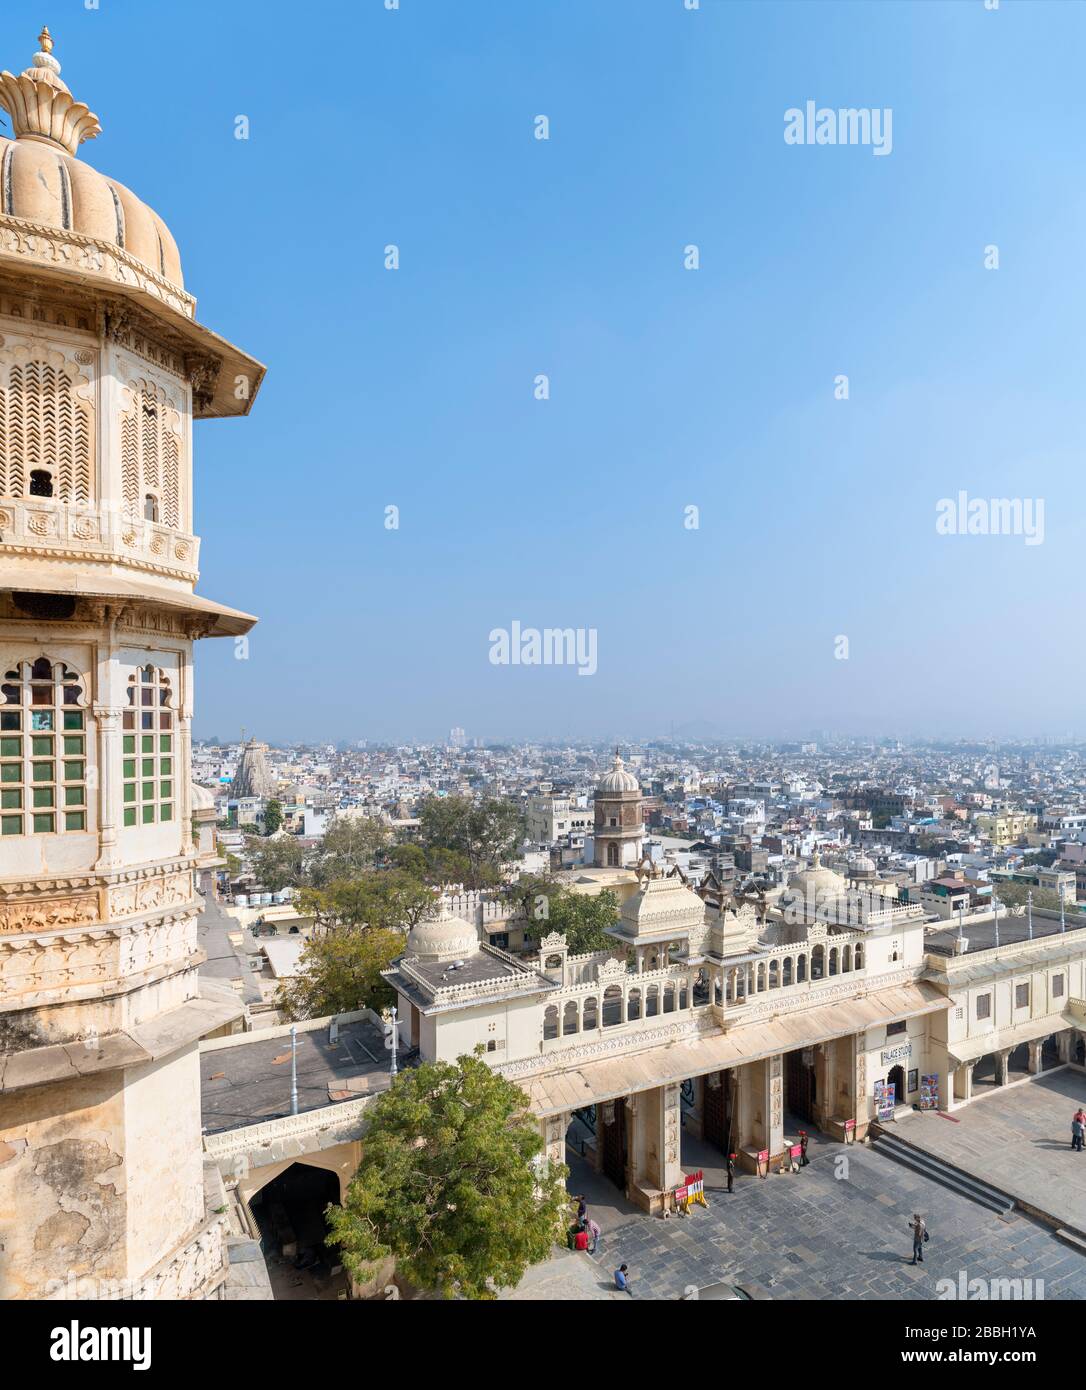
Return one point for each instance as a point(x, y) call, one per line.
point(332, 1122)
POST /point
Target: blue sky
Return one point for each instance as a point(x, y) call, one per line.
point(669, 388)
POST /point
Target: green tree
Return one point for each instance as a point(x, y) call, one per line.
point(580, 918)
point(447, 1184)
point(339, 972)
point(435, 866)
point(273, 816)
point(350, 846)
point(1014, 895)
point(487, 833)
point(383, 900)
point(278, 862)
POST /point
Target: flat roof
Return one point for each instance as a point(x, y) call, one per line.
point(249, 1082)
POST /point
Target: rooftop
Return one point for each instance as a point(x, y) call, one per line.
point(981, 936)
point(248, 1082)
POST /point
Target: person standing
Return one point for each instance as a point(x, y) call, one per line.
point(731, 1171)
point(1077, 1129)
point(582, 1210)
point(594, 1236)
point(920, 1235)
point(803, 1159)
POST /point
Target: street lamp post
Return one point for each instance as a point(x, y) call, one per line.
point(293, 1069)
point(1029, 913)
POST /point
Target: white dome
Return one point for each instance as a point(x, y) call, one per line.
point(617, 781)
point(442, 938)
point(815, 885)
point(200, 799)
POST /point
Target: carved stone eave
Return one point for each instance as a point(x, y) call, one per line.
point(136, 302)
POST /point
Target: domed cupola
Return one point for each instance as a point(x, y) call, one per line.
point(442, 938)
point(618, 820)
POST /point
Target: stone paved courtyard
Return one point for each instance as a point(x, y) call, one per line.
point(813, 1236)
point(1019, 1140)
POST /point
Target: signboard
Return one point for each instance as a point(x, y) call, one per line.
point(897, 1054)
point(929, 1092)
point(796, 1151)
point(849, 1126)
point(884, 1099)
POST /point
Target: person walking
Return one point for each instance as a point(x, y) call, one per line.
point(1077, 1130)
point(593, 1236)
point(920, 1235)
point(622, 1280)
point(582, 1210)
point(803, 1159)
point(731, 1171)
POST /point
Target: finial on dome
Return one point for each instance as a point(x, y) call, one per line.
point(41, 106)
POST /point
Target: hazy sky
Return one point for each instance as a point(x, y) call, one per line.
point(669, 388)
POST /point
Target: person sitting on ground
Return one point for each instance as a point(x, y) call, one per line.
point(622, 1280)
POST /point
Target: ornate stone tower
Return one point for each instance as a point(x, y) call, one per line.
point(252, 777)
point(618, 823)
point(103, 368)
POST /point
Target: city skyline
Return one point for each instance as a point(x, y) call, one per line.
point(670, 388)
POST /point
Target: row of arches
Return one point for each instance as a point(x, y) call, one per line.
point(620, 1005)
point(779, 973)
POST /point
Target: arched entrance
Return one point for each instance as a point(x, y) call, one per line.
point(801, 1085)
point(897, 1080)
point(611, 1131)
point(290, 1213)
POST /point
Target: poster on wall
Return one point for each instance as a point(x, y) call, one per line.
point(884, 1100)
point(929, 1093)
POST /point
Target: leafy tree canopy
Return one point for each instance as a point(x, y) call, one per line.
point(350, 846)
point(580, 918)
point(273, 816)
point(278, 862)
point(339, 972)
point(485, 832)
point(434, 865)
point(390, 900)
point(447, 1184)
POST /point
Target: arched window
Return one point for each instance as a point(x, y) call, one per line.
point(43, 750)
point(833, 960)
point(818, 962)
point(786, 971)
point(761, 976)
point(151, 455)
point(612, 1006)
point(150, 507)
point(669, 998)
point(588, 1014)
point(846, 959)
point(774, 974)
point(859, 963)
point(147, 749)
point(46, 439)
point(801, 970)
point(633, 1005)
point(550, 1022)
point(652, 1001)
point(570, 1021)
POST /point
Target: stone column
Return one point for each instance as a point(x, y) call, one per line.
point(1035, 1057)
point(554, 1137)
point(655, 1152)
point(1002, 1058)
point(860, 1099)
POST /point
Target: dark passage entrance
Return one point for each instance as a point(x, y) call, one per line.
point(717, 1106)
point(290, 1213)
point(801, 1087)
point(612, 1139)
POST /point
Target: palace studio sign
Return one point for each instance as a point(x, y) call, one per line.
point(898, 1054)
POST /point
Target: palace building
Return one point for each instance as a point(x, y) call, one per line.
point(103, 369)
point(740, 1020)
